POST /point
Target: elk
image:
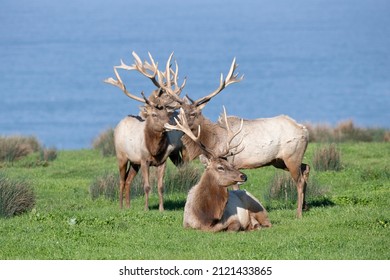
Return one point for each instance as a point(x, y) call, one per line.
point(210, 206)
point(279, 141)
point(142, 141)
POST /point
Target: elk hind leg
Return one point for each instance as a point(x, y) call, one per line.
point(133, 170)
point(298, 175)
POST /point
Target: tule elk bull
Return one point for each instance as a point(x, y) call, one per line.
point(141, 141)
point(210, 206)
point(278, 141)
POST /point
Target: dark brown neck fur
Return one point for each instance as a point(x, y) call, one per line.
point(156, 143)
point(210, 199)
point(210, 136)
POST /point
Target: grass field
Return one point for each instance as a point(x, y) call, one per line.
point(350, 221)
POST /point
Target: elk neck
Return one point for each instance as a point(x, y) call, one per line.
point(211, 135)
point(211, 198)
point(156, 142)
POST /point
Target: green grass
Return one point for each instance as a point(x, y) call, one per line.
point(67, 224)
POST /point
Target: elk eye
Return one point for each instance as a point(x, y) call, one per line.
point(154, 115)
point(220, 168)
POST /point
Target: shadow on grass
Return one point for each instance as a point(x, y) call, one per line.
point(313, 203)
point(321, 202)
point(170, 205)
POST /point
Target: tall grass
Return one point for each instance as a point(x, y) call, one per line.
point(346, 131)
point(327, 157)
point(16, 197)
point(16, 147)
point(104, 142)
point(282, 192)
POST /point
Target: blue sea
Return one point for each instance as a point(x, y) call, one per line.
point(318, 61)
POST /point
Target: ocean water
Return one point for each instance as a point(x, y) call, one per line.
point(321, 61)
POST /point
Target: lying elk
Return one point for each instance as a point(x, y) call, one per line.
point(278, 141)
point(143, 141)
point(210, 206)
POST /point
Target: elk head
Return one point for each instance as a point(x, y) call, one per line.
point(218, 168)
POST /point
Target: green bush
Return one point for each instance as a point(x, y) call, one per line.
point(181, 179)
point(105, 143)
point(327, 157)
point(48, 154)
point(13, 148)
point(106, 185)
point(346, 131)
point(282, 192)
point(16, 197)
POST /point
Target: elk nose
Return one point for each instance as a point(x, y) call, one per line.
point(243, 177)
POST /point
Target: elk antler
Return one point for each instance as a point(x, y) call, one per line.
point(118, 83)
point(231, 78)
point(182, 125)
point(230, 136)
point(150, 70)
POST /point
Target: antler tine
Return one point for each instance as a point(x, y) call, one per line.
point(168, 71)
point(182, 125)
point(231, 136)
point(118, 83)
point(178, 89)
point(231, 78)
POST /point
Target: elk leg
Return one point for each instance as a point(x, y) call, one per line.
point(296, 174)
point(305, 170)
point(160, 185)
point(145, 176)
point(123, 173)
point(133, 170)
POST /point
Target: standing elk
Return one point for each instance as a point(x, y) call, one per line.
point(142, 141)
point(278, 141)
point(209, 205)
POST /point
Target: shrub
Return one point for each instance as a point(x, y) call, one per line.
point(105, 143)
point(16, 197)
point(181, 179)
point(16, 147)
point(346, 131)
point(327, 158)
point(106, 185)
point(282, 192)
point(48, 154)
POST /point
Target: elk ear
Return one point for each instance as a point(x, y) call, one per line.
point(144, 112)
point(204, 160)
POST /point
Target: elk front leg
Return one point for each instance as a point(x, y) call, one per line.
point(160, 185)
point(145, 176)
